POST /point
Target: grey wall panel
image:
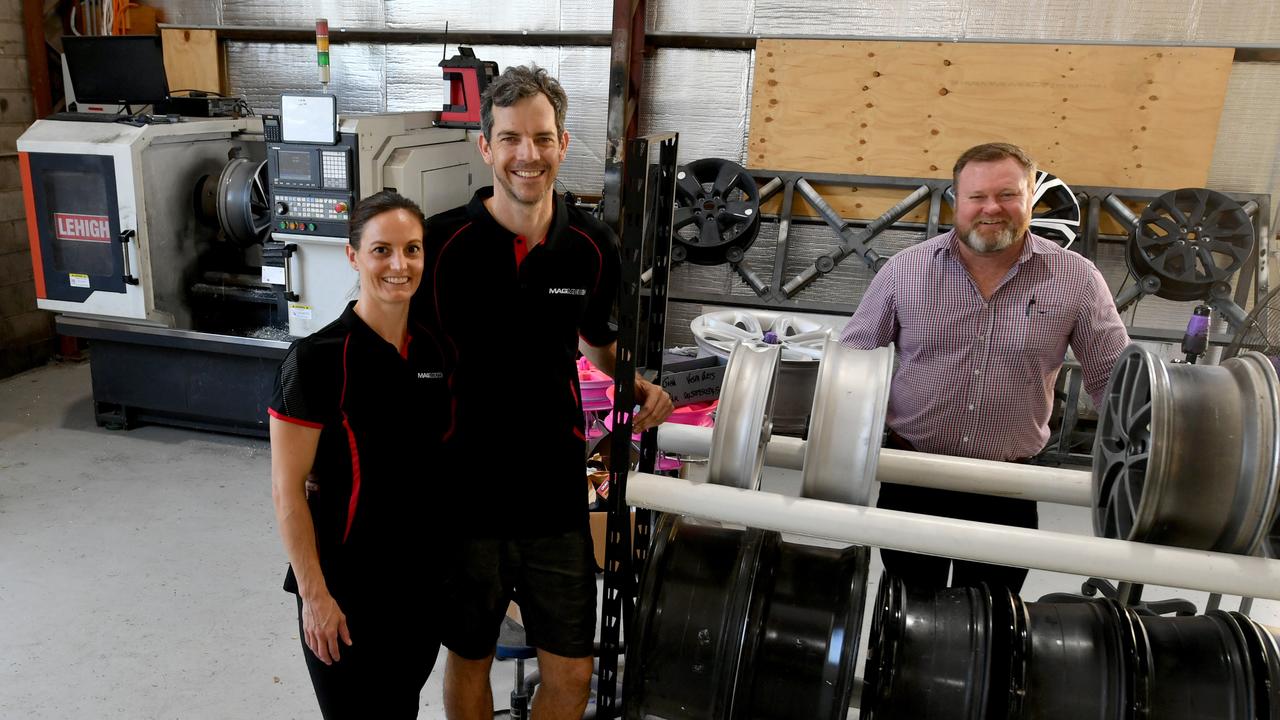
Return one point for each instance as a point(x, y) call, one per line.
point(1135, 21)
point(415, 81)
point(717, 279)
point(584, 73)
point(708, 16)
point(1246, 156)
point(702, 94)
point(862, 18)
point(414, 78)
point(679, 317)
point(586, 16)
point(1232, 22)
point(189, 12)
point(497, 15)
point(262, 71)
point(294, 13)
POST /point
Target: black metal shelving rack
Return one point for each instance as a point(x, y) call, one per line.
point(648, 201)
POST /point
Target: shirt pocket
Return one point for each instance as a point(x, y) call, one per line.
point(1044, 330)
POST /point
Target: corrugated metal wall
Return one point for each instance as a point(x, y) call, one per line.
point(705, 94)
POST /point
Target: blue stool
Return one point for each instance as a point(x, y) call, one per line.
point(511, 646)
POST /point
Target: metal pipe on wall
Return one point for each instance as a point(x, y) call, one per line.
point(1041, 549)
point(945, 472)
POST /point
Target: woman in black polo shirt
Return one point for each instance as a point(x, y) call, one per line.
point(355, 406)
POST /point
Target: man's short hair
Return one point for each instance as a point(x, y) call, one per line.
point(517, 83)
point(994, 152)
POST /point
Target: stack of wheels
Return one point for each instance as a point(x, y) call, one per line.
point(1189, 455)
point(971, 654)
point(736, 624)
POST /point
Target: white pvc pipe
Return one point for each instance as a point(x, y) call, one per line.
point(1019, 547)
point(987, 477)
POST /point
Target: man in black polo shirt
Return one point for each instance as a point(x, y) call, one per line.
point(518, 282)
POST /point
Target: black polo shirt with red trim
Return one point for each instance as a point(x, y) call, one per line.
point(377, 410)
point(510, 313)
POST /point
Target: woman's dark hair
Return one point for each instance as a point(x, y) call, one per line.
point(373, 206)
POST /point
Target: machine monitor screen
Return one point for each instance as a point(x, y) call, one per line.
point(309, 118)
point(295, 165)
point(127, 69)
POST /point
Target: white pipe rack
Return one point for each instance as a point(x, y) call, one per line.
point(987, 477)
point(1042, 549)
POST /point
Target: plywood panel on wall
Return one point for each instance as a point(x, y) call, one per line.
point(192, 59)
point(1091, 114)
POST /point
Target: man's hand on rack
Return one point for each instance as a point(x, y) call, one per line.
point(655, 405)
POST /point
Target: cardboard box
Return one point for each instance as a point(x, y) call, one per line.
point(599, 525)
point(693, 380)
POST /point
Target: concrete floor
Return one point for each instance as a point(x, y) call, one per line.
point(140, 571)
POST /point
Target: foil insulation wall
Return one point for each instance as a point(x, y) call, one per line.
point(705, 95)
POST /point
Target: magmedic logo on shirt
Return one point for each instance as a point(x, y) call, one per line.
point(566, 291)
point(83, 228)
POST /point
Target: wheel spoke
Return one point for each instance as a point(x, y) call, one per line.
point(1202, 203)
point(1237, 252)
point(728, 178)
point(1173, 210)
point(710, 235)
point(739, 210)
point(682, 217)
point(688, 189)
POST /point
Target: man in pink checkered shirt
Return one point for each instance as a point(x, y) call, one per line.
point(982, 317)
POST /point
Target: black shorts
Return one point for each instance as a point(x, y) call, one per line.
point(552, 579)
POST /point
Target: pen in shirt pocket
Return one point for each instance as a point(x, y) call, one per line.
point(1030, 304)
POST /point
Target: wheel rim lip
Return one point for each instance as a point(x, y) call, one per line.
point(1265, 499)
point(1247, 516)
point(236, 217)
point(1144, 515)
point(884, 645)
point(741, 431)
point(836, 467)
point(1259, 661)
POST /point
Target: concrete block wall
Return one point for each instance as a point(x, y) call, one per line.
point(26, 334)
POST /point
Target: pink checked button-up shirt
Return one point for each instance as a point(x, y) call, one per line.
point(975, 377)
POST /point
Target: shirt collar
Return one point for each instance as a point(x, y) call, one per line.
point(479, 213)
point(359, 327)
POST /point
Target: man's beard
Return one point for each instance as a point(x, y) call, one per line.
point(1004, 238)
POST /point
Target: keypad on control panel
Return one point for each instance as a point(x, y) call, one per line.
point(334, 169)
point(314, 208)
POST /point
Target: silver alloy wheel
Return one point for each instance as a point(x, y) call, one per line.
point(243, 201)
point(1187, 455)
point(845, 428)
point(744, 416)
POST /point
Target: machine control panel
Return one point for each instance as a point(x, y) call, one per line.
point(301, 212)
point(313, 186)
